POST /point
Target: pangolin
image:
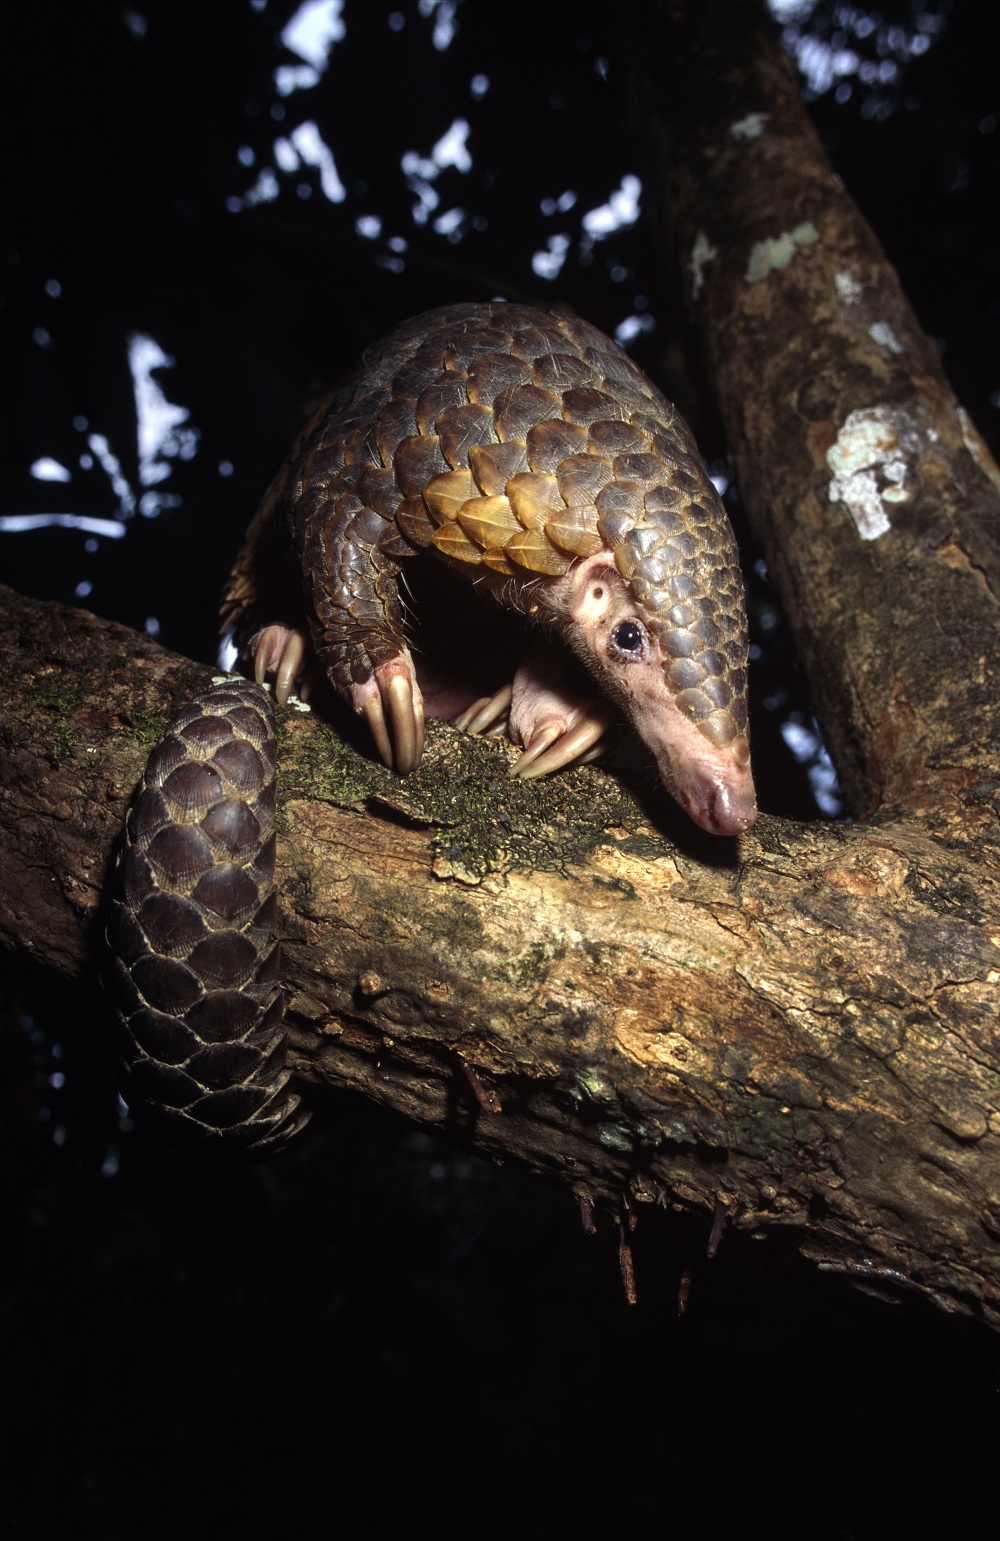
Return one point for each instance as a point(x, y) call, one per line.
point(528, 452)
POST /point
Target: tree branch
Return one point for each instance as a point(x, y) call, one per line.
point(876, 500)
point(804, 1036)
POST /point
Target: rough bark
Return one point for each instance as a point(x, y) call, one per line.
point(873, 494)
point(802, 1031)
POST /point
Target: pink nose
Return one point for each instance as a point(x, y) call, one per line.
point(722, 805)
point(731, 813)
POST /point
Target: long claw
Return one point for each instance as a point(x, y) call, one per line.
point(392, 705)
point(488, 713)
point(544, 737)
point(291, 666)
point(599, 750)
point(266, 647)
point(407, 713)
point(550, 749)
point(282, 652)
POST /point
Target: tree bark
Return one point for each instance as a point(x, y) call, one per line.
point(563, 974)
point(874, 496)
point(800, 1031)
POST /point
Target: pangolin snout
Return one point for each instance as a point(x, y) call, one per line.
point(713, 784)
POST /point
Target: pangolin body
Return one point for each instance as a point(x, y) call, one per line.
point(528, 451)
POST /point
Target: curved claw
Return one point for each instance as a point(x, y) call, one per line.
point(306, 685)
point(488, 714)
point(393, 708)
point(293, 662)
point(555, 745)
point(283, 652)
point(406, 708)
point(265, 649)
point(600, 749)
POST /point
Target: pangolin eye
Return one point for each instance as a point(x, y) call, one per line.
point(627, 637)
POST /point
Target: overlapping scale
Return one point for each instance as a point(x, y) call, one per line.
point(193, 930)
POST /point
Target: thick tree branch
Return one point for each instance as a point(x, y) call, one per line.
point(803, 1030)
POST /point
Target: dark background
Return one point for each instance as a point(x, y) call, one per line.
point(382, 1334)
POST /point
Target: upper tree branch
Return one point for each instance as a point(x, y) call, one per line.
point(876, 500)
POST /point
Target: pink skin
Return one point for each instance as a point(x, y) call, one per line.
point(586, 605)
point(393, 692)
point(285, 653)
point(391, 702)
point(554, 727)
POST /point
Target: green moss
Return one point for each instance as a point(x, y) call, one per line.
point(148, 727)
point(62, 741)
point(316, 763)
point(59, 695)
point(484, 820)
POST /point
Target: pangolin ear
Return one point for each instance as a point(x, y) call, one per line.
point(597, 588)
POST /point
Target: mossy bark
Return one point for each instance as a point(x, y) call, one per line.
point(799, 1029)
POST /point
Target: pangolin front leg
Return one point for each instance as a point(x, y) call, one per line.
point(352, 565)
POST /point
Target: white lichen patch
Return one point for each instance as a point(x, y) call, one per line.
point(702, 253)
point(775, 253)
point(874, 464)
point(848, 287)
point(883, 335)
point(750, 127)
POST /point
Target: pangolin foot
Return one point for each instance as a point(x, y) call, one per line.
point(283, 652)
point(556, 727)
point(572, 738)
point(393, 707)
